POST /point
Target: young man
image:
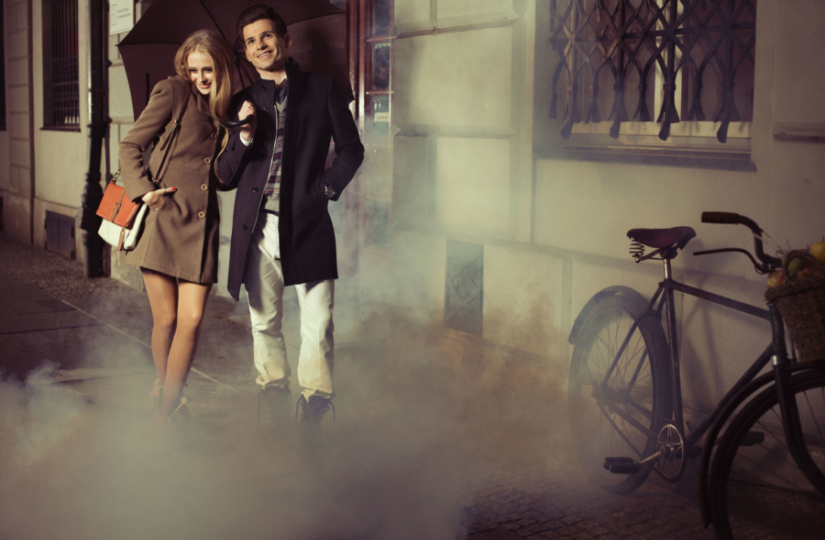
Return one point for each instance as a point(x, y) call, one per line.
point(281, 232)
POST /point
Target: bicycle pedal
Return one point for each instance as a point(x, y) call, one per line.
point(753, 438)
point(622, 465)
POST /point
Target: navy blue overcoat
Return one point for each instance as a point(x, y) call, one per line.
point(317, 112)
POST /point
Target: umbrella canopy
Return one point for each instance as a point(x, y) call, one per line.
point(317, 28)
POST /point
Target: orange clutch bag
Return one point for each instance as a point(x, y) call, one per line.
point(116, 206)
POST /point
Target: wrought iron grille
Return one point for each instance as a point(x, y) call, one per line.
point(622, 51)
point(65, 92)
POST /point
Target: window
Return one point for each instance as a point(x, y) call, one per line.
point(61, 107)
point(661, 67)
point(378, 136)
point(2, 69)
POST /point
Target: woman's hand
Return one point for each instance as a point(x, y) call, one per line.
point(154, 199)
point(247, 130)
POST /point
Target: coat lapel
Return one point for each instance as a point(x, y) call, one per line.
point(259, 95)
point(203, 104)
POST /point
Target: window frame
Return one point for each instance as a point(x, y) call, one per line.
point(666, 137)
point(70, 38)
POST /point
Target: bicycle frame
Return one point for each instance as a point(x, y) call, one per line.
point(664, 297)
point(775, 353)
point(665, 290)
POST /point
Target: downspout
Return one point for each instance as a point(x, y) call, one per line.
point(89, 222)
point(32, 158)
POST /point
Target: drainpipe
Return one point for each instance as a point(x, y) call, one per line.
point(88, 221)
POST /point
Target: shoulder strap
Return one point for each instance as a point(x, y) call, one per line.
point(166, 146)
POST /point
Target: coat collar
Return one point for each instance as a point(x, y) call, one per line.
point(203, 103)
point(202, 106)
point(261, 96)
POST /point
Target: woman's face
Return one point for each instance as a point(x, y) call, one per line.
point(201, 71)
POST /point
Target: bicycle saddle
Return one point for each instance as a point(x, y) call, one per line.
point(659, 238)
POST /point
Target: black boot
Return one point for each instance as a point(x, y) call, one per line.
point(312, 412)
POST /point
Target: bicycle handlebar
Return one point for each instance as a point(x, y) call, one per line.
point(720, 217)
point(768, 263)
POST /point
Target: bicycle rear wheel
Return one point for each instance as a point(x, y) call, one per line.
point(757, 490)
point(619, 415)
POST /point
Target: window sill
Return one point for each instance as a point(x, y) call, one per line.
point(70, 129)
point(696, 152)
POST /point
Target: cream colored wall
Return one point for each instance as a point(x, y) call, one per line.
point(586, 207)
point(462, 129)
point(16, 174)
point(61, 157)
point(462, 78)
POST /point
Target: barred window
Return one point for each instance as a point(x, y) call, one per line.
point(662, 61)
point(60, 64)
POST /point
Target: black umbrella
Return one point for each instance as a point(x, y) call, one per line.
point(317, 28)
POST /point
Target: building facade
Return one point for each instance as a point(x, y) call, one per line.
point(475, 211)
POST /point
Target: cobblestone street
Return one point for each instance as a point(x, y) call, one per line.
point(538, 504)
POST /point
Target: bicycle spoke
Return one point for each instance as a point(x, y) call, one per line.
point(813, 414)
point(760, 490)
point(638, 370)
point(768, 472)
point(621, 434)
point(611, 370)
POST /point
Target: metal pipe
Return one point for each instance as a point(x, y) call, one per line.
point(87, 220)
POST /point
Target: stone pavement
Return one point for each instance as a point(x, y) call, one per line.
point(428, 442)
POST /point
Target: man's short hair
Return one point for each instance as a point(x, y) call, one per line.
point(256, 12)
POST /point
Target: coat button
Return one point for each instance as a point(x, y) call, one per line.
point(201, 214)
point(254, 190)
point(204, 187)
point(214, 135)
point(244, 227)
point(263, 151)
point(207, 160)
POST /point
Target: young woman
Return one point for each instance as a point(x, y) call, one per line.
point(178, 250)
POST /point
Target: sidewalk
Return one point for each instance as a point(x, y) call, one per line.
point(426, 445)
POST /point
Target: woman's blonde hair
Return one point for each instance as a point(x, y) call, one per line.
point(212, 44)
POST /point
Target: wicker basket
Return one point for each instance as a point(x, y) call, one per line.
point(802, 305)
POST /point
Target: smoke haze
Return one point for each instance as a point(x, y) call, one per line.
point(422, 418)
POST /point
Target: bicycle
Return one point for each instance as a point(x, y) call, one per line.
point(625, 403)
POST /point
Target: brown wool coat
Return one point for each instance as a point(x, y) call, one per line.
point(181, 238)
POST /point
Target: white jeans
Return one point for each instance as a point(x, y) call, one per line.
point(264, 281)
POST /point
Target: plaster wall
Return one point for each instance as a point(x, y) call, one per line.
point(61, 157)
point(577, 212)
point(586, 207)
point(16, 164)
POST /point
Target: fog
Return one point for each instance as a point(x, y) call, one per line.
point(423, 420)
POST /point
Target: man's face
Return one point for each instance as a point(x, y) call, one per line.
point(265, 49)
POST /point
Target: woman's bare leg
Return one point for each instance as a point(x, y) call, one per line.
point(192, 299)
point(163, 298)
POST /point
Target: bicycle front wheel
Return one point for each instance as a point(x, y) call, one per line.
point(757, 490)
point(618, 402)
